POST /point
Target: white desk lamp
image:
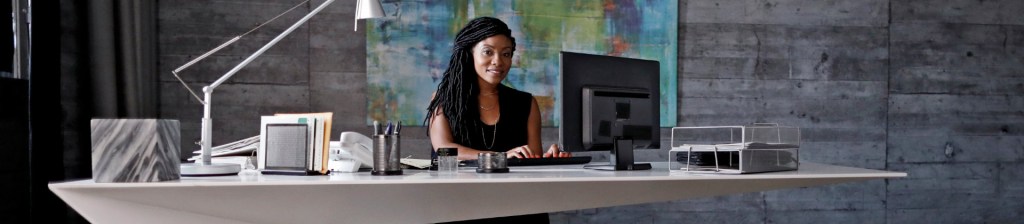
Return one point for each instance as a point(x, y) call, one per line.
point(365, 9)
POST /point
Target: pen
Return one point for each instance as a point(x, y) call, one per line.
point(376, 127)
point(387, 130)
point(398, 127)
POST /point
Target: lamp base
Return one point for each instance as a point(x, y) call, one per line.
point(214, 169)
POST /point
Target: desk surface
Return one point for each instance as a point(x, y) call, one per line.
point(418, 196)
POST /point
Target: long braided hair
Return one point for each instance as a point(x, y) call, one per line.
point(456, 94)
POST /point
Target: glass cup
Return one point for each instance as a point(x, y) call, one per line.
point(491, 162)
point(447, 160)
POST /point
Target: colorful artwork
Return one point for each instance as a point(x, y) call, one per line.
point(408, 51)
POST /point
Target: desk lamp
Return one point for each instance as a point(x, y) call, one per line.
point(365, 9)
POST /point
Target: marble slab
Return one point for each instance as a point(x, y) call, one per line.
point(135, 150)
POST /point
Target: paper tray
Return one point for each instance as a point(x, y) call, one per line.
point(735, 149)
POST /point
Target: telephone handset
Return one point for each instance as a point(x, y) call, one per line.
point(356, 147)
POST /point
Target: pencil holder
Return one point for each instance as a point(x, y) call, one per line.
point(387, 154)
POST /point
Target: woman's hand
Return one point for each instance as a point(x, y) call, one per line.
point(522, 152)
point(553, 151)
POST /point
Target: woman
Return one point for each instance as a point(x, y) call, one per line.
point(472, 111)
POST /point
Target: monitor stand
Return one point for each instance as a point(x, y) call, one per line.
point(621, 157)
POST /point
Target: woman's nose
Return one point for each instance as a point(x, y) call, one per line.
point(496, 61)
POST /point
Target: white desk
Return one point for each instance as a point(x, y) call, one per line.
point(417, 196)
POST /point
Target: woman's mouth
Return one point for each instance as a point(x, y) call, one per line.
point(494, 71)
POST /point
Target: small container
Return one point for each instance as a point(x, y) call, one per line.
point(447, 160)
point(491, 162)
point(386, 155)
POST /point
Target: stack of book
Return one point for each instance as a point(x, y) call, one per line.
point(319, 132)
point(241, 152)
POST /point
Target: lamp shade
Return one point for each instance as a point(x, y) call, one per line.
point(366, 9)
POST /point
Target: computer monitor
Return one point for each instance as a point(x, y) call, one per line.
point(609, 104)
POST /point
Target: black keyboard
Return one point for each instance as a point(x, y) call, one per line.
point(548, 161)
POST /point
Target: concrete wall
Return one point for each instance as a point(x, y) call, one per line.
point(956, 111)
point(932, 88)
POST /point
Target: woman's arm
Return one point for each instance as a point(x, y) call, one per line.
point(533, 129)
point(441, 137)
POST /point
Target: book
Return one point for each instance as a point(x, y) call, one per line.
point(323, 135)
point(241, 147)
point(267, 120)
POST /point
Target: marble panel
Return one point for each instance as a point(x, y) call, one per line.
point(135, 150)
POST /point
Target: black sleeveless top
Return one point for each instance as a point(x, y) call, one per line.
point(510, 131)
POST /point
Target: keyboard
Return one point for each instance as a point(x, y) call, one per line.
point(548, 161)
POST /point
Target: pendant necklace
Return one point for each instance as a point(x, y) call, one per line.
point(492, 105)
point(494, 134)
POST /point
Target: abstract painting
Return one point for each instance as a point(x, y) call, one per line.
point(408, 51)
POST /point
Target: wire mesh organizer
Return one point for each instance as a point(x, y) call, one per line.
point(735, 149)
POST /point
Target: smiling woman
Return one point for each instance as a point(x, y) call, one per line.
point(473, 112)
point(492, 57)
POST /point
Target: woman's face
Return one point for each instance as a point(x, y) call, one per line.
point(492, 57)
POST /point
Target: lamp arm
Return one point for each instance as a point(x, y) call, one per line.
point(218, 48)
point(259, 52)
point(207, 122)
point(197, 59)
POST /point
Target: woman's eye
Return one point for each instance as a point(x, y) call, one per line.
point(488, 53)
point(507, 54)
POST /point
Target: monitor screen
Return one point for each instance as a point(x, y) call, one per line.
point(606, 97)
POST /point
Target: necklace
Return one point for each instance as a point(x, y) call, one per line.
point(494, 134)
point(492, 105)
point(488, 108)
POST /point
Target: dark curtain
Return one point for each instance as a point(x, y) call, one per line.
point(111, 72)
point(123, 58)
point(108, 70)
point(14, 144)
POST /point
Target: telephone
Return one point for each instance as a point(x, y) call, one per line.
point(352, 152)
